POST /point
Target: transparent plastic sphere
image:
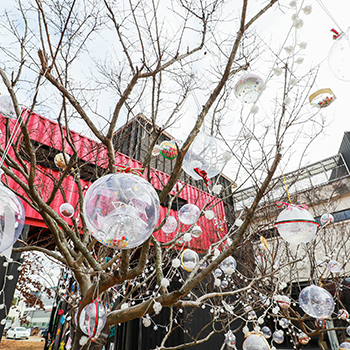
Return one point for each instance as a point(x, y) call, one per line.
point(320, 323)
point(296, 225)
point(217, 273)
point(343, 314)
point(335, 266)
point(170, 225)
point(67, 210)
point(121, 210)
point(327, 218)
point(205, 153)
point(12, 218)
point(278, 336)
point(189, 214)
point(303, 338)
point(283, 322)
point(339, 57)
point(6, 107)
point(196, 231)
point(168, 150)
point(348, 330)
point(230, 339)
point(189, 259)
point(247, 88)
point(255, 341)
point(266, 331)
point(92, 319)
point(316, 302)
point(344, 345)
point(60, 162)
point(228, 266)
point(283, 301)
point(224, 284)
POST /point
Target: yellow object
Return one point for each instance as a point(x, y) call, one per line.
point(264, 242)
point(317, 100)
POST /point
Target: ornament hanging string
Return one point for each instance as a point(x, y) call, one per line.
point(324, 8)
point(128, 169)
point(285, 185)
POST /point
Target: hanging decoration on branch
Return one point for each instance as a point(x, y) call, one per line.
point(230, 339)
point(206, 154)
point(170, 225)
point(255, 341)
point(322, 98)
point(248, 88)
point(295, 224)
point(339, 56)
point(316, 302)
point(326, 219)
point(127, 169)
point(67, 210)
point(168, 149)
point(121, 210)
point(196, 231)
point(228, 266)
point(189, 214)
point(189, 259)
point(92, 319)
point(12, 218)
point(335, 266)
point(61, 160)
point(6, 107)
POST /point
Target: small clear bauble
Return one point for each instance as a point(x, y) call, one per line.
point(266, 331)
point(206, 153)
point(316, 302)
point(248, 88)
point(168, 149)
point(255, 341)
point(121, 210)
point(61, 160)
point(230, 339)
point(12, 217)
point(92, 319)
point(343, 314)
point(228, 266)
point(303, 338)
point(320, 323)
point(283, 301)
point(296, 225)
point(326, 219)
point(335, 266)
point(189, 214)
point(278, 336)
point(67, 210)
point(196, 231)
point(283, 322)
point(339, 57)
point(344, 345)
point(6, 107)
point(170, 225)
point(189, 259)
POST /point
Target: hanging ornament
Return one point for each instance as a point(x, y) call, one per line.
point(343, 314)
point(92, 319)
point(320, 323)
point(60, 162)
point(170, 225)
point(230, 339)
point(189, 214)
point(322, 98)
point(12, 218)
point(344, 345)
point(206, 155)
point(6, 107)
point(303, 338)
point(316, 302)
point(283, 301)
point(266, 331)
point(217, 273)
point(326, 219)
point(168, 150)
point(255, 341)
point(196, 231)
point(295, 224)
point(335, 266)
point(155, 151)
point(278, 336)
point(228, 266)
point(67, 210)
point(248, 88)
point(339, 56)
point(283, 322)
point(348, 330)
point(224, 284)
point(189, 259)
point(121, 210)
